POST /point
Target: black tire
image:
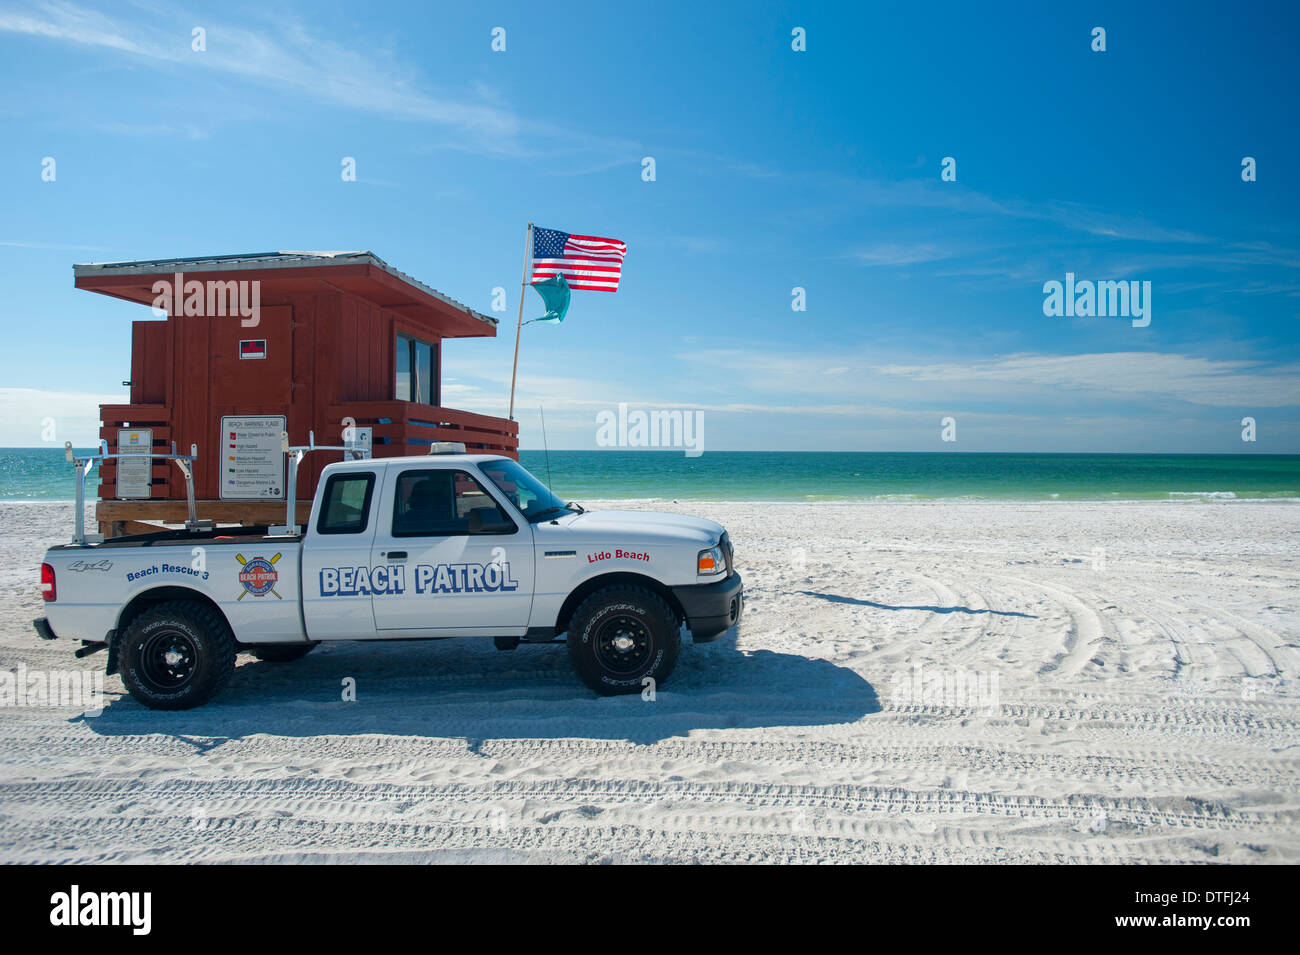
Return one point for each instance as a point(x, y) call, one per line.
point(282, 652)
point(177, 655)
point(601, 627)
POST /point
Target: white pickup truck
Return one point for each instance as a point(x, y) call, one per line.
point(445, 545)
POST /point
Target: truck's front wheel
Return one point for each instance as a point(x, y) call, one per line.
point(621, 636)
point(176, 655)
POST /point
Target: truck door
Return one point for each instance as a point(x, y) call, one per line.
point(465, 558)
point(336, 583)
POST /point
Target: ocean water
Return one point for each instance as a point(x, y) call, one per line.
point(836, 475)
point(41, 474)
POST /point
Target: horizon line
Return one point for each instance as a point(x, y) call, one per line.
point(679, 451)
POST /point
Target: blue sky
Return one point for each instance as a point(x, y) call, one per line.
point(774, 169)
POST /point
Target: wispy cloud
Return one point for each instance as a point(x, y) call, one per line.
point(190, 131)
point(929, 193)
point(896, 253)
point(28, 415)
point(705, 159)
point(1202, 381)
point(284, 54)
point(52, 246)
point(1016, 378)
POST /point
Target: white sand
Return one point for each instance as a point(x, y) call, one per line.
point(1148, 711)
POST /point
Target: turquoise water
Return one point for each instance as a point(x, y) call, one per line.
point(834, 475)
point(41, 474)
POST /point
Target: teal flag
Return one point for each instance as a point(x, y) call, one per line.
point(555, 293)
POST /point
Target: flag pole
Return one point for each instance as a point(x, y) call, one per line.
point(519, 327)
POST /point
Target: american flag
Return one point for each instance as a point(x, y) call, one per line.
point(586, 261)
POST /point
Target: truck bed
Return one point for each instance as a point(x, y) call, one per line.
point(218, 535)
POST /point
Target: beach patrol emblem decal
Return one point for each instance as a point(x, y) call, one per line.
point(258, 576)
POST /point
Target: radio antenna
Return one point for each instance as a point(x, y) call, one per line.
point(546, 450)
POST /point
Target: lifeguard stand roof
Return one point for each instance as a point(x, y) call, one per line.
point(361, 273)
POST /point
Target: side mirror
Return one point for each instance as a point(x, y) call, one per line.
point(487, 520)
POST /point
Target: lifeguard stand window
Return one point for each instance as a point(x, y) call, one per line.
point(417, 378)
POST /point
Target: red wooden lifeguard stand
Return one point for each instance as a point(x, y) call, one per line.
point(340, 338)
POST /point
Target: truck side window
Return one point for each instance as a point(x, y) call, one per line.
point(445, 503)
point(345, 507)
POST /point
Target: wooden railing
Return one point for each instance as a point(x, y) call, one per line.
point(406, 427)
point(399, 428)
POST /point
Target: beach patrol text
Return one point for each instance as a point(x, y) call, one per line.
point(390, 579)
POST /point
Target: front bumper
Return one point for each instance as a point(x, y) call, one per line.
point(711, 609)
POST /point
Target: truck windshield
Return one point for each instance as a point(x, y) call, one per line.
point(525, 491)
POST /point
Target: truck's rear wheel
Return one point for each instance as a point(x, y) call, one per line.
point(621, 635)
point(282, 652)
point(176, 655)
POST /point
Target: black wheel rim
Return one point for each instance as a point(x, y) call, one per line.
point(168, 660)
point(623, 644)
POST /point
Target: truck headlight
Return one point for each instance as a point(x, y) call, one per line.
point(710, 562)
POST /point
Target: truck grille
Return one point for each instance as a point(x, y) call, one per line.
point(727, 554)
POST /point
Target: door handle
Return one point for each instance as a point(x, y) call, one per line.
point(395, 555)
